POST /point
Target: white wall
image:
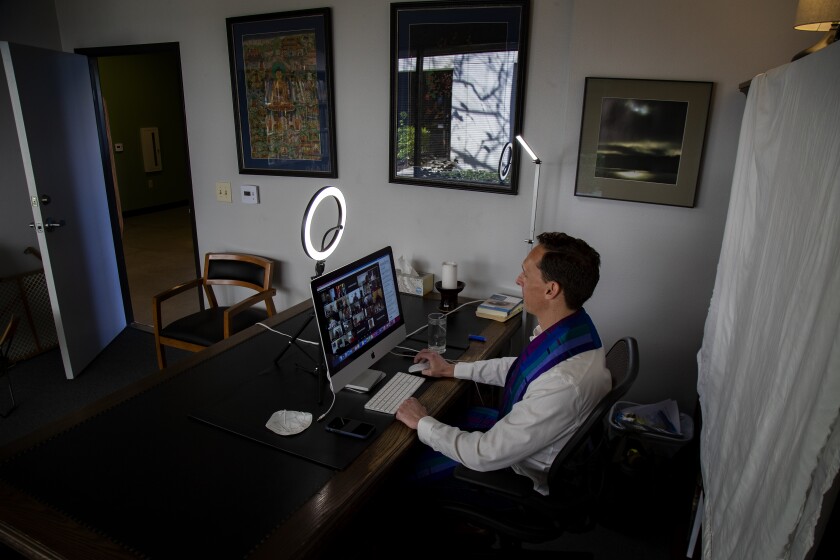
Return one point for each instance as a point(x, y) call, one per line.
point(658, 261)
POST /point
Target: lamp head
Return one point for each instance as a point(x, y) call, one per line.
point(817, 15)
point(528, 149)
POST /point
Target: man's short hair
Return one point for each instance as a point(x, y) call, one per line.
point(572, 263)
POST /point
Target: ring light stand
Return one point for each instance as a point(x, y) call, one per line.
point(320, 258)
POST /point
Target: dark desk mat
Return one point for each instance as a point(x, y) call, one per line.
point(246, 411)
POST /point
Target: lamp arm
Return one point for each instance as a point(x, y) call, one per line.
point(530, 239)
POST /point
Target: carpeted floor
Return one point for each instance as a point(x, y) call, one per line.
point(44, 394)
point(158, 248)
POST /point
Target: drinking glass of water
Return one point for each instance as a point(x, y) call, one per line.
point(437, 332)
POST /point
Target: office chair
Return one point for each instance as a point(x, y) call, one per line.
point(5, 349)
point(576, 477)
point(203, 328)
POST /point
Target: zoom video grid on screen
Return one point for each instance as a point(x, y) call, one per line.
point(358, 307)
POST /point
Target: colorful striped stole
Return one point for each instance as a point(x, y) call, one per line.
point(564, 339)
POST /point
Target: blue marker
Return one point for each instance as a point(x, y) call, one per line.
point(477, 338)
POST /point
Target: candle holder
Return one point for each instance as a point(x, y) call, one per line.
point(448, 296)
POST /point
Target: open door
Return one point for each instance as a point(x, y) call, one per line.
point(53, 108)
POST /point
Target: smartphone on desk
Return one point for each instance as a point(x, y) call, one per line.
point(350, 427)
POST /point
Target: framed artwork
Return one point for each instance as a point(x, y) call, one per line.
point(457, 91)
point(642, 140)
point(281, 79)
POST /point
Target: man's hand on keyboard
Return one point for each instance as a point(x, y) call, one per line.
point(438, 366)
point(410, 412)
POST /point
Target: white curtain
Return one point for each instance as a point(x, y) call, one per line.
point(769, 365)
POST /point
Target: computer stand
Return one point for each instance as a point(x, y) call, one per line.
point(320, 369)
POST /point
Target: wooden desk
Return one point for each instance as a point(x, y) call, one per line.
point(37, 529)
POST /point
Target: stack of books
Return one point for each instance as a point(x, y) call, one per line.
point(499, 307)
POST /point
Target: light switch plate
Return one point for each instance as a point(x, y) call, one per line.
point(223, 192)
point(250, 194)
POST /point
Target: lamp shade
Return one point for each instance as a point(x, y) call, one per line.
point(817, 15)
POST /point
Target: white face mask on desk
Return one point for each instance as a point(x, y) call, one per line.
point(289, 422)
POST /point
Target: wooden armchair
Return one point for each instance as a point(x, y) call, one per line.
point(199, 330)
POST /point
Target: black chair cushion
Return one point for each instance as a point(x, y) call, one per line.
point(208, 327)
point(236, 270)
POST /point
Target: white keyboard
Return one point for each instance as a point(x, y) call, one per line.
point(394, 392)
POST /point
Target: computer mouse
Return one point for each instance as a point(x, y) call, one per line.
point(419, 366)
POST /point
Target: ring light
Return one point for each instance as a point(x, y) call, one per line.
point(306, 230)
point(505, 161)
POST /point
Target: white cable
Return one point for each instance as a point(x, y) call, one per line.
point(288, 335)
point(333, 400)
point(329, 379)
point(446, 314)
point(478, 392)
point(408, 335)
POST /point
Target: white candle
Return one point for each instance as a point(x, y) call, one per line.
point(449, 280)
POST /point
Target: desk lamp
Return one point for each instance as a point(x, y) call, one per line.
point(530, 240)
point(818, 15)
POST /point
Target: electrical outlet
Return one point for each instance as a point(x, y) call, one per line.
point(223, 192)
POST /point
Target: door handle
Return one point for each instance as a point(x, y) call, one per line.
point(49, 225)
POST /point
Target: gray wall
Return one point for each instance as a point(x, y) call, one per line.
point(32, 23)
point(658, 261)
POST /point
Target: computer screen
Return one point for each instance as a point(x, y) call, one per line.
point(359, 315)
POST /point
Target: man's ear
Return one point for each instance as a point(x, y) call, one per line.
point(553, 290)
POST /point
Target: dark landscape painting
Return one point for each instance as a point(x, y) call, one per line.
point(641, 139)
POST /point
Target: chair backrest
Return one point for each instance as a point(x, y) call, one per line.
point(575, 466)
point(236, 269)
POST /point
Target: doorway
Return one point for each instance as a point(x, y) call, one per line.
point(145, 126)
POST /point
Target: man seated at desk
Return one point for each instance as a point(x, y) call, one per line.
point(548, 390)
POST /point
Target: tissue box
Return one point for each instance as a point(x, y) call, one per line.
point(417, 285)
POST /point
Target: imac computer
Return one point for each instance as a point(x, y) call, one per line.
point(359, 315)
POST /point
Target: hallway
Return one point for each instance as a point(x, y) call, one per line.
point(158, 249)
